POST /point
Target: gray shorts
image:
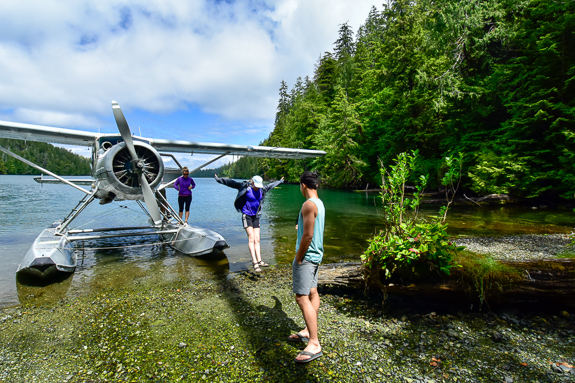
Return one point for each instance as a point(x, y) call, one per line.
point(304, 277)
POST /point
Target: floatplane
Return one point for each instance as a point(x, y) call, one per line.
point(124, 167)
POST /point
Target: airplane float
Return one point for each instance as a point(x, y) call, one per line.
point(124, 167)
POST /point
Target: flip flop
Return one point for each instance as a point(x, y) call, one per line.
point(311, 356)
point(300, 338)
point(263, 264)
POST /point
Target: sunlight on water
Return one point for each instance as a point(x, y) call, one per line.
point(26, 208)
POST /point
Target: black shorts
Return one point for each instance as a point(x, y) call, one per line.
point(250, 220)
point(184, 202)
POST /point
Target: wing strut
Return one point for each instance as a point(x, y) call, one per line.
point(194, 170)
point(43, 170)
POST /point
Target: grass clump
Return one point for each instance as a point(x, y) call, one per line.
point(569, 254)
point(481, 275)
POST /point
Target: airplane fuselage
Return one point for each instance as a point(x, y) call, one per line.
point(117, 175)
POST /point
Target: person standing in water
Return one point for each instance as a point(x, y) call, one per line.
point(309, 254)
point(249, 201)
point(184, 186)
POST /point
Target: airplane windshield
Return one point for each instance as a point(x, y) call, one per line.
point(113, 140)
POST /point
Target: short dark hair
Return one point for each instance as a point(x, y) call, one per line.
point(309, 179)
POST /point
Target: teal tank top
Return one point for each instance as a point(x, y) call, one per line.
point(314, 253)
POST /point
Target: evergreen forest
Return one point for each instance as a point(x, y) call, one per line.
point(56, 160)
point(492, 79)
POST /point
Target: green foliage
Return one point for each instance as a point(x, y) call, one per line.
point(493, 78)
point(243, 168)
point(414, 252)
point(57, 160)
point(494, 174)
point(207, 173)
point(407, 248)
point(338, 134)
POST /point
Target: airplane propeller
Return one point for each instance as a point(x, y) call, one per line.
point(137, 163)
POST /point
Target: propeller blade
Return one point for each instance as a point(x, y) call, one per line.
point(150, 200)
point(124, 129)
point(149, 197)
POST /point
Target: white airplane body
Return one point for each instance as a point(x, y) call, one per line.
point(124, 168)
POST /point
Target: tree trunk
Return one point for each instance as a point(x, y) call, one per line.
point(550, 280)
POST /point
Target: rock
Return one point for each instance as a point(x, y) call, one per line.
point(556, 368)
point(508, 380)
point(497, 337)
point(182, 345)
point(453, 334)
point(565, 369)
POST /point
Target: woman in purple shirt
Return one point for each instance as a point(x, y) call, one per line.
point(184, 186)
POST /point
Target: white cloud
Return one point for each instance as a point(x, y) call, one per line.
point(63, 62)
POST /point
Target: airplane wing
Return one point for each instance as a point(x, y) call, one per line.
point(40, 133)
point(240, 150)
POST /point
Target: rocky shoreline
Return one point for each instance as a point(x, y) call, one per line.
point(525, 247)
point(201, 327)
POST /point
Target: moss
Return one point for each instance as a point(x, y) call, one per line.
point(482, 275)
point(567, 254)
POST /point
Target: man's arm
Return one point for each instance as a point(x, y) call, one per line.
point(309, 213)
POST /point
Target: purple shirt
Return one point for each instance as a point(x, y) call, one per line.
point(253, 199)
point(182, 184)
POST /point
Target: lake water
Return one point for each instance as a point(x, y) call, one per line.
point(26, 208)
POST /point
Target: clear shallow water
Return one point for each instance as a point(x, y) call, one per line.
point(26, 208)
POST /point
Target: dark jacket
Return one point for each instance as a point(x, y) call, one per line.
point(242, 188)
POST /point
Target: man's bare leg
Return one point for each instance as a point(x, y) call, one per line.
point(314, 299)
point(309, 305)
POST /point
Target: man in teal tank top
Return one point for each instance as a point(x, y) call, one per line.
point(309, 253)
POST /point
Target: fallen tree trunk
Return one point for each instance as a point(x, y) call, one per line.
point(549, 280)
point(342, 274)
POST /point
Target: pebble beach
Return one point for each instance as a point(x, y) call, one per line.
point(519, 247)
point(234, 328)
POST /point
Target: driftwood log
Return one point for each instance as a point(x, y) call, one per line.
point(551, 281)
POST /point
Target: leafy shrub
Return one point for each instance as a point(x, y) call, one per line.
point(408, 248)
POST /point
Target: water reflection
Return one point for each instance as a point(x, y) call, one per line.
point(351, 219)
point(509, 220)
point(118, 263)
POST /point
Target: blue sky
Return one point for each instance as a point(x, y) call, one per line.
point(183, 69)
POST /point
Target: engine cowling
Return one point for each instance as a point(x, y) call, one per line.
point(118, 176)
